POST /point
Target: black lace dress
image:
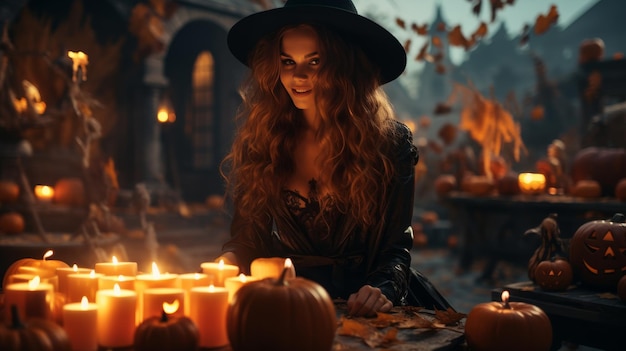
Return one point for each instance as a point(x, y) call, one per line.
point(334, 249)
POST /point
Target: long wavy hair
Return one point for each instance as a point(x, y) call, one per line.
point(353, 131)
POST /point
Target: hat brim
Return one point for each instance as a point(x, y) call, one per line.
point(382, 48)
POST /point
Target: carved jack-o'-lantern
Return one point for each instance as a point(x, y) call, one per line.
point(598, 251)
point(554, 275)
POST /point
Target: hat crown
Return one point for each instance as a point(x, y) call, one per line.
point(345, 5)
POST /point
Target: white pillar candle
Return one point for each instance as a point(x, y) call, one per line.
point(116, 317)
point(82, 284)
point(80, 321)
point(109, 281)
point(190, 280)
point(219, 271)
point(154, 298)
point(116, 268)
point(33, 299)
point(208, 306)
point(232, 284)
point(63, 272)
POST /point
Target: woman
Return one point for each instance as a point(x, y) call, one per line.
point(319, 170)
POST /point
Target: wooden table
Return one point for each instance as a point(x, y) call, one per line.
point(579, 315)
point(493, 226)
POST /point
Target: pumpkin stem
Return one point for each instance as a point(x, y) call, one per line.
point(618, 218)
point(16, 321)
point(164, 318)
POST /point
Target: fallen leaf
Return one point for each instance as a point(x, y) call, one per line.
point(420, 30)
point(449, 316)
point(415, 322)
point(400, 22)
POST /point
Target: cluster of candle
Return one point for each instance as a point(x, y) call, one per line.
point(104, 305)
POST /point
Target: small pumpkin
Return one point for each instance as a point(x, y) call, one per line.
point(477, 185)
point(508, 184)
point(9, 191)
point(597, 251)
point(70, 192)
point(286, 301)
point(36, 334)
point(621, 288)
point(12, 223)
point(511, 326)
point(166, 333)
point(604, 165)
point(554, 275)
point(14, 268)
point(587, 189)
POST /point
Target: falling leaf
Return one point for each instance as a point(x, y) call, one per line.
point(456, 37)
point(420, 30)
point(442, 108)
point(537, 113)
point(400, 22)
point(449, 316)
point(407, 45)
point(423, 54)
point(544, 22)
point(496, 5)
point(481, 31)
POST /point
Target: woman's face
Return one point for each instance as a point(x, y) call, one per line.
point(300, 62)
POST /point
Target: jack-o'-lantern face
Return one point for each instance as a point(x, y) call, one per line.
point(555, 275)
point(598, 251)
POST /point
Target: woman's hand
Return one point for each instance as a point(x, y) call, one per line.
point(367, 301)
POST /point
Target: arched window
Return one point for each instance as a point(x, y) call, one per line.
point(202, 122)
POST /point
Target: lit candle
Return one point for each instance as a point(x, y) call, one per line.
point(44, 193)
point(63, 272)
point(232, 284)
point(272, 267)
point(532, 183)
point(153, 300)
point(33, 299)
point(219, 271)
point(190, 280)
point(45, 275)
point(82, 284)
point(151, 281)
point(116, 268)
point(109, 281)
point(79, 60)
point(80, 323)
point(208, 306)
point(116, 317)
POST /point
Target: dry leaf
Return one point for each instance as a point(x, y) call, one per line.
point(423, 55)
point(420, 30)
point(456, 37)
point(449, 316)
point(481, 31)
point(543, 22)
point(407, 45)
point(400, 22)
point(415, 322)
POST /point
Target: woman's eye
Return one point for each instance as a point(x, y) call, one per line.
point(287, 62)
point(315, 61)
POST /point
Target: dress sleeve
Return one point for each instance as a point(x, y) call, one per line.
point(249, 240)
point(390, 268)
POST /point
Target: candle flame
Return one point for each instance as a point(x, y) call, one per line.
point(120, 277)
point(288, 263)
point(170, 308)
point(47, 254)
point(116, 289)
point(242, 278)
point(114, 259)
point(44, 192)
point(221, 265)
point(505, 296)
point(34, 283)
point(211, 288)
point(92, 274)
point(75, 268)
point(196, 276)
point(155, 270)
point(84, 303)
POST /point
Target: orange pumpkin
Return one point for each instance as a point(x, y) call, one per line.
point(11, 223)
point(554, 275)
point(508, 184)
point(620, 190)
point(478, 185)
point(511, 326)
point(597, 251)
point(9, 191)
point(286, 301)
point(166, 333)
point(33, 335)
point(604, 165)
point(70, 192)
